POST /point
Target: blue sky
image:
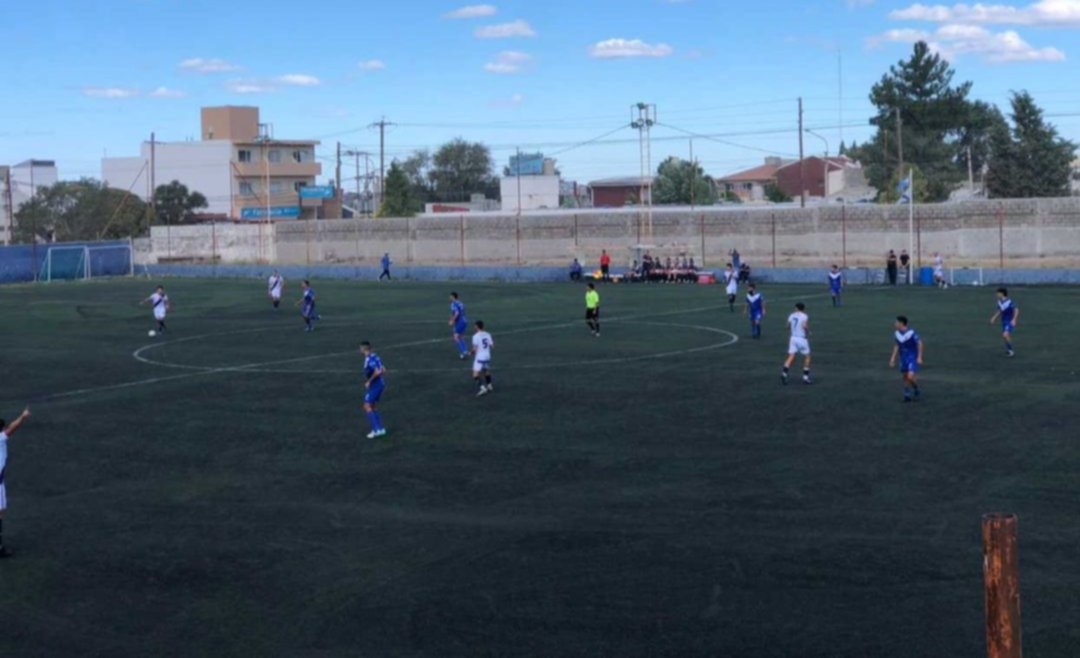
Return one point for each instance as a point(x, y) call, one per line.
point(90, 77)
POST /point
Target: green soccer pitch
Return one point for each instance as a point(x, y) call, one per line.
point(655, 491)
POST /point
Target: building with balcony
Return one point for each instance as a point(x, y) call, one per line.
point(238, 165)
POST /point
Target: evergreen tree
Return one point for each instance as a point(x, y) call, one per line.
point(1031, 160)
point(675, 178)
point(397, 202)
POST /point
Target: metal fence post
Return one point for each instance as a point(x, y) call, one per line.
point(1001, 581)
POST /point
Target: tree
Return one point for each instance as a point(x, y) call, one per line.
point(1031, 160)
point(174, 204)
point(679, 182)
point(775, 194)
point(417, 169)
point(80, 210)
point(938, 123)
point(461, 168)
point(397, 201)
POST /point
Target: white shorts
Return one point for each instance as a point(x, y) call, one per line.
point(159, 314)
point(733, 289)
point(799, 346)
point(276, 296)
point(481, 366)
point(3, 497)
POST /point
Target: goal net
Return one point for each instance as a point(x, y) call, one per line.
point(966, 276)
point(79, 263)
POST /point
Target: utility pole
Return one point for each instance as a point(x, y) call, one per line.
point(518, 167)
point(381, 124)
point(971, 171)
point(802, 160)
point(643, 123)
point(153, 178)
point(337, 170)
point(693, 173)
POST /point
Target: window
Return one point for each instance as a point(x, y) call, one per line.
point(274, 156)
point(276, 187)
point(246, 189)
point(297, 185)
point(299, 156)
point(244, 155)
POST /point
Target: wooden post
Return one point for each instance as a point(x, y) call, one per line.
point(1001, 580)
point(1001, 237)
point(517, 235)
point(575, 233)
point(843, 234)
point(774, 239)
point(703, 239)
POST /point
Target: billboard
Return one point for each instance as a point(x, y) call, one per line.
point(527, 164)
point(276, 212)
point(317, 192)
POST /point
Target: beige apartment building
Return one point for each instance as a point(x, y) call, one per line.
point(238, 165)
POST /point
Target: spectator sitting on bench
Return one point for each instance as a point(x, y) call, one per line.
point(575, 270)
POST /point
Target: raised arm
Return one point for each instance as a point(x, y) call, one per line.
point(17, 423)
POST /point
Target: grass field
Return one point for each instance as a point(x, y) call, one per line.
point(652, 492)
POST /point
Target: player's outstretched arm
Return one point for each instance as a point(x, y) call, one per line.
point(995, 317)
point(17, 423)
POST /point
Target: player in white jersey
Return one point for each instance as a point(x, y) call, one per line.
point(799, 324)
point(731, 280)
point(482, 344)
point(939, 272)
point(5, 432)
point(160, 303)
point(275, 286)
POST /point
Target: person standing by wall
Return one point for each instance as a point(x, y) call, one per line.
point(386, 263)
point(605, 266)
point(905, 264)
point(890, 268)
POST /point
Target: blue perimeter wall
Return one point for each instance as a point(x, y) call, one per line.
point(552, 274)
point(17, 261)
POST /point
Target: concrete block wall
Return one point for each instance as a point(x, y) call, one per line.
point(1026, 232)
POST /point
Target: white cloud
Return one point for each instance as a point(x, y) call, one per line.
point(1048, 13)
point(165, 92)
point(513, 101)
point(509, 61)
point(621, 48)
point(956, 40)
point(518, 28)
point(472, 11)
point(249, 87)
point(298, 80)
point(203, 65)
point(110, 92)
point(371, 65)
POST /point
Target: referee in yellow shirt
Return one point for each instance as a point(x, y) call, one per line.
point(592, 310)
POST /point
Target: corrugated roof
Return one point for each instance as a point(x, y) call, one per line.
point(624, 181)
point(766, 172)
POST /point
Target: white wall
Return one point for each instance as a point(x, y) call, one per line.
point(536, 192)
point(202, 166)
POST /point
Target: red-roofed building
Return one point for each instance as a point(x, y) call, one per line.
point(749, 185)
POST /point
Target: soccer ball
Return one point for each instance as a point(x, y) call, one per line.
point(151, 333)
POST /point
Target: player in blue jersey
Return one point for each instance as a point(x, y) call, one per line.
point(307, 306)
point(755, 310)
point(460, 325)
point(1010, 317)
point(909, 351)
point(836, 284)
point(374, 385)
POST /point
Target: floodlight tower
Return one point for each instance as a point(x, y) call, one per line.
point(642, 119)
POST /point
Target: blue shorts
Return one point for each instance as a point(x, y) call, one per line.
point(308, 311)
point(756, 317)
point(460, 328)
point(835, 291)
point(1008, 328)
point(372, 395)
point(909, 365)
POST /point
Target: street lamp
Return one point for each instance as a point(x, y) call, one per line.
point(825, 167)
